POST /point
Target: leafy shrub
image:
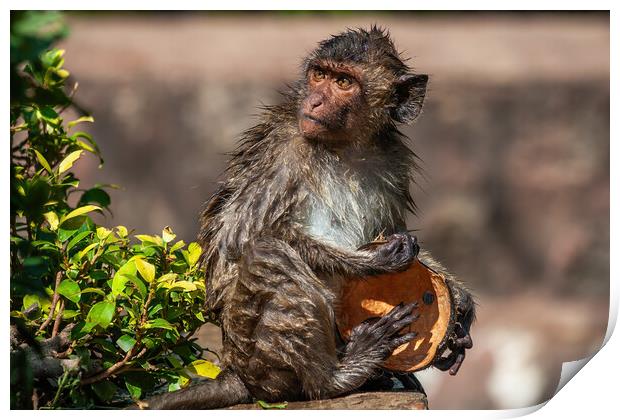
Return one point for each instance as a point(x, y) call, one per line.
point(96, 317)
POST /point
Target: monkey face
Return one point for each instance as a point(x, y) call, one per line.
point(333, 107)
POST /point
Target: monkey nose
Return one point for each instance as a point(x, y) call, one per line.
point(315, 102)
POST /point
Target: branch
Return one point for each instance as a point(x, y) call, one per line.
point(58, 318)
point(115, 368)
point(54, 302)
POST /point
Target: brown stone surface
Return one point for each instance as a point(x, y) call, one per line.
point(361, 401)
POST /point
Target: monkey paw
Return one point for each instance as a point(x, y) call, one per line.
point(398, 252)
point(459, 341)
point(378, 337)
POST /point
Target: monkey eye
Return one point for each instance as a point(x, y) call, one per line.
point(344, 82)
point(318, 74)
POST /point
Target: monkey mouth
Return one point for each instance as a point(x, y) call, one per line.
point(315, 120)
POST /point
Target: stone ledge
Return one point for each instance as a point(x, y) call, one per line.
point(403, 400)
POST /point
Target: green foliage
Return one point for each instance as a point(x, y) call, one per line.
point(130, 306)
point(270, 406)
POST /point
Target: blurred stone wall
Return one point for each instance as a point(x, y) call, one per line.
point(514, 141)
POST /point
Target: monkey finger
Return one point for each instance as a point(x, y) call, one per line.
point(464, 342)
point(457, 364)
point(403, 339)
point(400, 324)
point(445, 363)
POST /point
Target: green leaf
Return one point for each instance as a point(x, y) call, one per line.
point(138, 283)
point(70, 313)
point(122, 231)
point(68, 162)
point(194, 251)
point(177, 246)
point(87, 118)
point(147, 270)
point(52, 219)
point(167, 235)
point(168, 278)
point(70, 289)
point(96, 196)
point(159, 323)
point(152, 239)
point(186, 286)
point(93, 290)
point(126, 342)
point(105, 390)
point(77, 238)
point(103, 233)
point(120, 279)
point(29, 300)
point(43, 161)
point(204, 368)
point(101, 314)
point(267, 406)
point(78, 212)
point(134, 390)
point(86, 250)
point(48, 114)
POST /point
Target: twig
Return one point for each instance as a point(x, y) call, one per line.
point(115, 368)
point(58, 318)
point(35, 399)
point(54, 302)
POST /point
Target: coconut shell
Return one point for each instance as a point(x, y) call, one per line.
point(376, 296)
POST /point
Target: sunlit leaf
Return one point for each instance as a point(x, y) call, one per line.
point(204, 368)
point(43, 161)
point(194, 251)
point(267, 406)
point(70, 289)
point(147, 270)
point(103, 233)
point(120, 279)
point(52, 219)
point(101, 313)
point(122, 231)
point(177, 246)
point(68, 162)
point(126, 342)
point(78, 212)
point(160, 323)
point(186, 286)
point(152, 239)
point(87, 118)
point(86, 250)
point(167, 235)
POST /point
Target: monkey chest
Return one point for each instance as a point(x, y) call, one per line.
point(348, 219)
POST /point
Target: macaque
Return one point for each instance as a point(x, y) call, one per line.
point(322, 174)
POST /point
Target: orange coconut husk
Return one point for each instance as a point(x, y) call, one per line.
point(376, 296)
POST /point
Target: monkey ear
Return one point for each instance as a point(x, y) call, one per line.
point(409, 96)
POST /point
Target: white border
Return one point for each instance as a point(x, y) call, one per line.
point(592, 393)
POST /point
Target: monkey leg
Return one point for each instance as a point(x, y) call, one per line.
point(291, 352)
point(227, 389)
point(465, 308)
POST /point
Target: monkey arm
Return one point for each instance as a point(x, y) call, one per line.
point(465, 307)
point(395, 255)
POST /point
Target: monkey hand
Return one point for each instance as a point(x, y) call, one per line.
point(460, 339)
point(397, 253)
point(376, 338)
